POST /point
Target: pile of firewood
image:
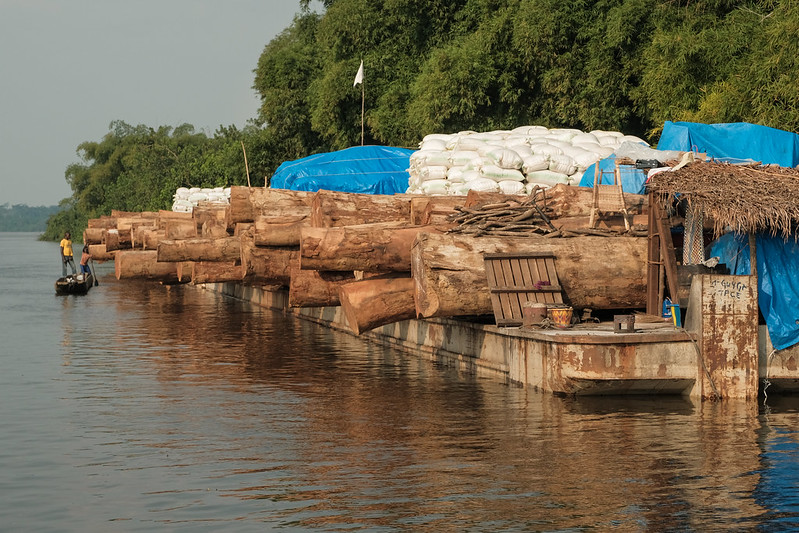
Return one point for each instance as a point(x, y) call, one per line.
point(523, 218)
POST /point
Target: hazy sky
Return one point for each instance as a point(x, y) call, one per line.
point(70, 67)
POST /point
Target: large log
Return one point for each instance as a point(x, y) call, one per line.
point(104, 222)
point(247, 203)
point(180, 228)
point(213, 229)
point(334, 208)
point(267, 265)
point(560, 201)
point(279, 231)
point(426, 210)
point(165, 217)
point(595, 272)
point(117, 239)
point(93, 235)
point(570, 201)
point(199, 249)
point(312, 288)
point(242, 228)
point(379, 247)
point(148, 239)
point(99, 253)
point(143, 264)
point(375, 302)
point(216, 272)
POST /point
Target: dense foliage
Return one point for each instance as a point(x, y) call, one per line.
point(24, 217)
point(450, 65)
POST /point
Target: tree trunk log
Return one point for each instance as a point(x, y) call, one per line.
point(333, 208)
point(147, 238)
point(247, 203)
point(434, 210)
point(270, 265)
point(225, 249)
point(143, 264)
point(208, 218)
point(569, 201)
point(180, 229)
point(595, 272)
point(129, 220)
point(375, 302)
point(278, 233)
point(93, 235)
point(213, 229)
point(116, 239)
point(105, 222)
point(379, 247)
point(215, 272)
point(99, 253)
point(166, 216)
point(312, 288)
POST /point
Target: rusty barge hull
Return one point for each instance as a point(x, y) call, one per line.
point(589, 361)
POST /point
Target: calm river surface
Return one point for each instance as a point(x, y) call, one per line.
point(140, 407)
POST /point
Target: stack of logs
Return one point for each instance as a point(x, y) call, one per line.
point(382, 258)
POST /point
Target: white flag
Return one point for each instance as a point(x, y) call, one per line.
point(359, 75)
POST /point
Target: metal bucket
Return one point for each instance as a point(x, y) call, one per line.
point(533, 313)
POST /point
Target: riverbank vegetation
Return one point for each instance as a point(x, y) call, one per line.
point(439, 66)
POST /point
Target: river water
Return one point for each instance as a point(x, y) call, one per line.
point(140, 407)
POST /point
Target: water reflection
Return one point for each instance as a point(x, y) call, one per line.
point(214, 411)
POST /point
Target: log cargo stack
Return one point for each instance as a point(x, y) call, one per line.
point(383, 259)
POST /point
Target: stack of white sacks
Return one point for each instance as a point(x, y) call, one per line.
point(185, 200)
point(512, 162)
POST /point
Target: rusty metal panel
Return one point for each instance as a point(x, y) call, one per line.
point(729, 336)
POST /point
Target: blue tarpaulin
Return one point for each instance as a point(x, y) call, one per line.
point(777, 259)
point(737, 140)
point(360, 169)
point(633, 180)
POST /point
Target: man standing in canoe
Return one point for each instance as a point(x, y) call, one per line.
point(66, 255)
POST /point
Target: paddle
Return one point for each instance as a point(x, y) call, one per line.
point(94, 272)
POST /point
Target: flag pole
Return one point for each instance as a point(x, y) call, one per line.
point(359, 79)
point(363, 100)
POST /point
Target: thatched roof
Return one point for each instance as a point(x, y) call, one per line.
point(743, 198)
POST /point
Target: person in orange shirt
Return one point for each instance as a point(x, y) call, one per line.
point(84, 260)
point(66, 255)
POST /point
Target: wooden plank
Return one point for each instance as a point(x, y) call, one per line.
point(516, 255)
point(527, 267)
point(667, 250)
point(492, 281)
point(654, 264)
point(513, 309)
point(535, 277)
point(517, 278)
point(553, 276)
point(525, 288)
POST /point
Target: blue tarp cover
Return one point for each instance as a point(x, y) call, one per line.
point(777, 280)
point(360, 169)
point(633, 180)
point(777, 260)
point(737, 140)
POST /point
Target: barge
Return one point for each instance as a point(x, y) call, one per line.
point(401, 270)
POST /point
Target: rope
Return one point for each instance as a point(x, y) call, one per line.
point(766, 382)
point(716, 394)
